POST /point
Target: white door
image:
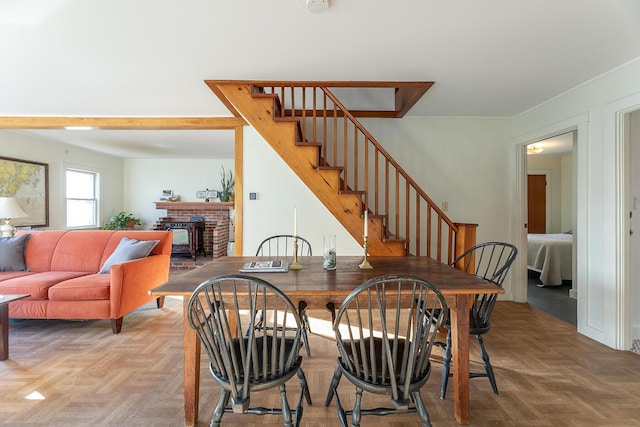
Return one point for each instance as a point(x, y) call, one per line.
point(632, 132)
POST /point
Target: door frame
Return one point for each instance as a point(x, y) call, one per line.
point(580, 124)
point(619, 112)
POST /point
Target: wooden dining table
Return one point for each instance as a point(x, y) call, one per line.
point(317, 287)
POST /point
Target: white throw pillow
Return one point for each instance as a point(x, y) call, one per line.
point(127, 250)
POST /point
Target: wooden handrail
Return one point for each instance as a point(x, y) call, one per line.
point(367, 168)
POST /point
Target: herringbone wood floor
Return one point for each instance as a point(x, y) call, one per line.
point(548, 375)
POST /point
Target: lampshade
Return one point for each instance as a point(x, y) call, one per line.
point(9, 209)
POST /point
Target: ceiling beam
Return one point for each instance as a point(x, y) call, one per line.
point(123, 123)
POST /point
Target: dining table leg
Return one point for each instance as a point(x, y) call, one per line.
point(460, 353)
point(191, 370)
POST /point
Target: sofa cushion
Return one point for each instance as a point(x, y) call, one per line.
point(37, 284)
point(80, 250)
point(127, 250)
point(12, 253)
point(6, 275)
point(41, 247)
point(90, 287)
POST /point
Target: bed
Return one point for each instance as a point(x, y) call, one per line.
point(551, 256)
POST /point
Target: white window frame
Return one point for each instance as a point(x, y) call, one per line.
point(97, 188)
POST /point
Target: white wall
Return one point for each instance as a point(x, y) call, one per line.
point(279, 191)
point(57, 156)
point(145, 179)
point(463, 161)
point(591, 108)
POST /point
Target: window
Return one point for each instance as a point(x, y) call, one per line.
point(82, 198)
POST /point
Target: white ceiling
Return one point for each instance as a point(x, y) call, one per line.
point(556, 146)
point(149, 58)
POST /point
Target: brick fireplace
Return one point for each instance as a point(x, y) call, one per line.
point(216, 222)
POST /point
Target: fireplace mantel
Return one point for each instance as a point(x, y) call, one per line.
point(216, 217)
point(185, 206)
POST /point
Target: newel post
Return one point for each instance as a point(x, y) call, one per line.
point(465, 238)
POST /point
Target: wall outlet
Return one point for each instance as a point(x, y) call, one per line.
point(445, 206)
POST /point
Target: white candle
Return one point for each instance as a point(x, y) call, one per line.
point(295, 222)
point(366, 224)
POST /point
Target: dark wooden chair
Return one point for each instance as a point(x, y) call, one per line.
point(282, 245)
point(489, 261)
point(385, 330)
point(221, 310)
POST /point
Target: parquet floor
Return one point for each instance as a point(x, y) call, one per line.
point(64, 373)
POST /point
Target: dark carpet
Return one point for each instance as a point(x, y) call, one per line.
point(553, 300)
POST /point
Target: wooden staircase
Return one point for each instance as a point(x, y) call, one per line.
point(345, 167)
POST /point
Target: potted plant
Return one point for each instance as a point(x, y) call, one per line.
point(228, 183)
point(122, 221)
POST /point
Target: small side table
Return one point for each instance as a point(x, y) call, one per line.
point(4, 322)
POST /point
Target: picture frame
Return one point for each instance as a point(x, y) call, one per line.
point(28, 182)
point(166, 195)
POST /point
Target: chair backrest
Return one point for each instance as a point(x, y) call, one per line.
point(282, 245)
point(489, 261)
point(223, 312)
point(385, 330)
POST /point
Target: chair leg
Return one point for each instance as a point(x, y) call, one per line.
point(305, 337)
point(286, 410)
point(342, 415)
point(420, 408)
point(331, 308)
point(446, 367)
point(302, 310)
point(487, 364)
point(218, 411)
point(356, 414)
point(333, 387)
point(302, 379)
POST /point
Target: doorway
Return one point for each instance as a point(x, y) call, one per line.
point(550, 217)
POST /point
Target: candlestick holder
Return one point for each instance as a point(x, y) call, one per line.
point(295, 265)
point(365, 264)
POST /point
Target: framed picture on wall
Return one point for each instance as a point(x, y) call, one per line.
point(166, 195)
point(28, 182)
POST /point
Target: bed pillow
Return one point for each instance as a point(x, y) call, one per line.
point(12, 253)
point(127, 250)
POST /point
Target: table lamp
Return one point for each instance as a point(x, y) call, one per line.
point(9, 209)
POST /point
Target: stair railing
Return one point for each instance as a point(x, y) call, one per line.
point(367, 168)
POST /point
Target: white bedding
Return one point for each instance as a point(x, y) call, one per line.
point(550, 255)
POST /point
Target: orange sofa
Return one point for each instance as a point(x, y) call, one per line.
point(64, 282)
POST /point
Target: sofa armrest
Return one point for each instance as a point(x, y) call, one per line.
point(132, 280)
